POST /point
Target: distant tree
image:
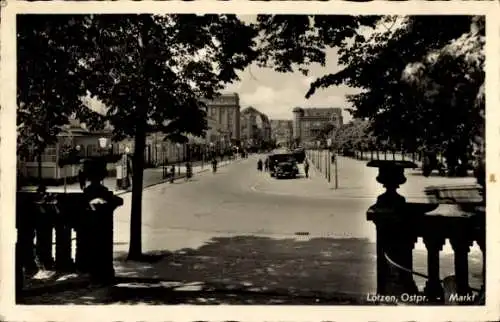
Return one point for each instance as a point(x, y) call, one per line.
point(354, 135)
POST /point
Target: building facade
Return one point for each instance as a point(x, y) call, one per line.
point(255, 127)
point(309, 122)
point(282, 132)
point(223, 118)
point(76, 134)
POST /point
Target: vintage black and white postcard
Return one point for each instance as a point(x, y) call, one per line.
point(250, 160)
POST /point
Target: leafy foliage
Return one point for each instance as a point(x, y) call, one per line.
point(356, 134)
point(376, 52)
point(288, 42)
point(151, 73)
point(48, 86)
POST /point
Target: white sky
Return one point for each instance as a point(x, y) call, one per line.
point(276, 94)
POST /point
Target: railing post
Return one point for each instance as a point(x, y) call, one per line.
point(400, 250)
point(461, 247)
point(482, 245)
point(64, 210)
point(25, 221)
point(396, 234)
point(433, 288)
point(43, 230)
point(99, 219)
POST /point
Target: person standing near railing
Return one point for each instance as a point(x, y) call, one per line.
point(306, 168)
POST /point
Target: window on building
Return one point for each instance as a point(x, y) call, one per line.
point(49, 154)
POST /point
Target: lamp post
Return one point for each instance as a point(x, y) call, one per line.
point(329, 160)
point(125, 165)
point(163, 161)
point(212, 150)
point(103, 143)
point(178, 145)
point(221, 148)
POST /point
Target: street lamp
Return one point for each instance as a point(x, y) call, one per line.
point(212, 150)
point(103, 142)
point(178, 145)
point(222, 148)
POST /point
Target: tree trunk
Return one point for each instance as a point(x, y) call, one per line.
point(135, 247)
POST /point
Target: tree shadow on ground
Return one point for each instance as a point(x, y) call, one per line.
point(239, 270)
point(257, 270)
point(244, 270)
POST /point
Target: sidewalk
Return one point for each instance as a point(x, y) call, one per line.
point(152, 177)
point(355, 179)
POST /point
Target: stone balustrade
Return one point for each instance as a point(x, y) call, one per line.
point(42, 216)
point(399, 224)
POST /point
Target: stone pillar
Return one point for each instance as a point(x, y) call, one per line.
point(101, 204)
point(461, 248)
point(433, 288)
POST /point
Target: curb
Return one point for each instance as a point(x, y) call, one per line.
point(122, 192)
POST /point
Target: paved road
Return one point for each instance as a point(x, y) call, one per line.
point(255, 239)
point(240, 227)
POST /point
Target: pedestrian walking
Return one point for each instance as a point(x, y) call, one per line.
point(266, 165)
point(189, 171)
point(214, 165)
point(259, 165)
point(306, 168)
point(172, 173)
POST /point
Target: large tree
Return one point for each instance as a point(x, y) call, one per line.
point(151, 73)
point(375, 53)
point(48, 86)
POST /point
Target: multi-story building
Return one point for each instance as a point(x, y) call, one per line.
point(282, 131)
point(224, 111)
point(309, 122)
point(255, 127)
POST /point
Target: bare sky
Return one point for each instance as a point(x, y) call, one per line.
point(276, 94)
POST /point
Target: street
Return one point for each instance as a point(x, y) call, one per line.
point(241, 227)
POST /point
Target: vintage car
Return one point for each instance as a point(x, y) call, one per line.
point(287, 169)
point(275, 159)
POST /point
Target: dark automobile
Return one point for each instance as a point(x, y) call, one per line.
point(286, 169)
point(275, 159)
